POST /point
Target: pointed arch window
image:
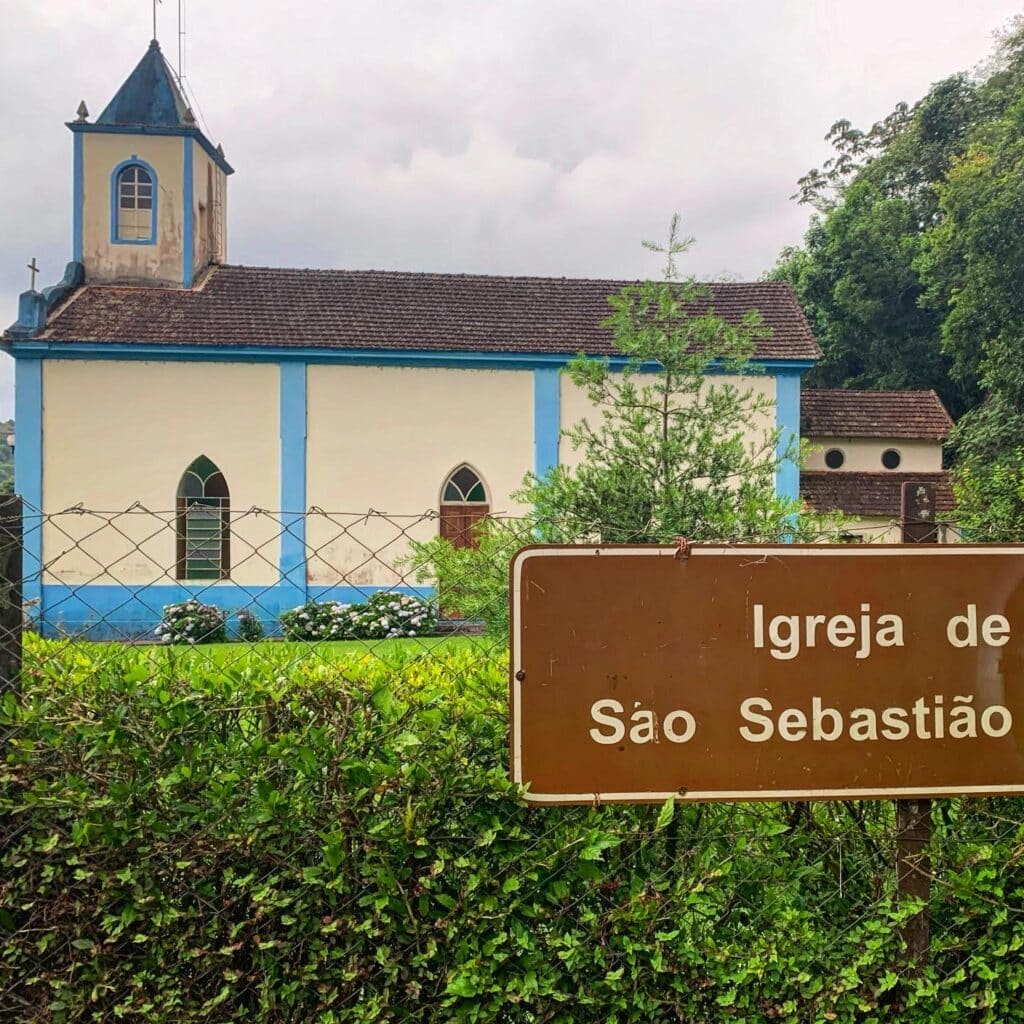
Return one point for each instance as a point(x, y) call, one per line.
point(464, 503)
point(133, 203)
point(203, 523)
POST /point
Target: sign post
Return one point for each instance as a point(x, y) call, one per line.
point(914, 817)
point(913, 881)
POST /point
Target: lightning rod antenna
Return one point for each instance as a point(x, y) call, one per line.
point(181, 41)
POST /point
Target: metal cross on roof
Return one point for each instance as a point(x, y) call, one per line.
point(35, 270)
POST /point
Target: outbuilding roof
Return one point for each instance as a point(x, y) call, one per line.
point(372, 309)
point(907, 414)
point(868, 494)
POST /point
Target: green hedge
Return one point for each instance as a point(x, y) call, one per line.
point(335, 839)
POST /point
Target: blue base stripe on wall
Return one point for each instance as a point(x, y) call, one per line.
point(101, 611)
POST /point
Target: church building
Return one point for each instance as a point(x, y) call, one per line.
point(158, 379)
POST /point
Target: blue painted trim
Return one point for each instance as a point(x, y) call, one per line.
point(132, 161)
point(547, 419)
point(359, 357)
point(77, 199)
point(293, 479)
point(34, 307)
point(110, 611)
point(28, 474)
point(787, 421)
point(188, 255)
point(210, 149)
point(31, 314)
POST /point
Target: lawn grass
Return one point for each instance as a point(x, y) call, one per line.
point(281, 653)
point(475, 665)
point(287, 650)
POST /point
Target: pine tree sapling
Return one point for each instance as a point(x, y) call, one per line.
point(684, 443)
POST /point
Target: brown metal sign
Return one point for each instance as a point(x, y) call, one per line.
point(787, 672)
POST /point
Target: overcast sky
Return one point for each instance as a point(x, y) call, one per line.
point(521, 137)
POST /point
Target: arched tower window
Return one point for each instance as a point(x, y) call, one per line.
point(203, 524)
point(134, 203)
point(463, 504)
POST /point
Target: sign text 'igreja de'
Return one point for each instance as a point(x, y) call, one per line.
point(785, 672)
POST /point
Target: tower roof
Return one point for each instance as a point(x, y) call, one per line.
point(150, 97)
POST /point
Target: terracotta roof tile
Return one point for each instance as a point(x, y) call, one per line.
point(868, 494)
point(908, 414)
point(386, 310)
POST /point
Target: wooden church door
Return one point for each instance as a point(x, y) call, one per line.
point(463, 505)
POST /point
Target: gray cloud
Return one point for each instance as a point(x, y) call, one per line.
point(461, 135)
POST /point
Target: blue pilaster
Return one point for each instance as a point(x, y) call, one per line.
point(787, 420)
point(547, 418)
point(28, 474)
point(77, 198)
point(293, 484)
point(188, 223)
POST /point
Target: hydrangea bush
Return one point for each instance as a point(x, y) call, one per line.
point(387, 616)
point(192, 622)
point(323, 620)
point(384, 616)
point(250, 628)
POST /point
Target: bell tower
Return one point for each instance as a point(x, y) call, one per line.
point(150, 190)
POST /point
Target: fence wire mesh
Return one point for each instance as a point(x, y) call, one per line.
point(280, 793)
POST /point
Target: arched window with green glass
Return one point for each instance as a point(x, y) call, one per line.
point(203, 523)
point(464, 503)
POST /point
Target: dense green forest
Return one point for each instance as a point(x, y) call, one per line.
point(912, 270)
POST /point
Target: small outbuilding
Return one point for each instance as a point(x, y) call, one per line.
point(865, 446)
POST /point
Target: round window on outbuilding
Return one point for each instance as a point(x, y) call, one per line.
point(834, 458)
point(891, 458)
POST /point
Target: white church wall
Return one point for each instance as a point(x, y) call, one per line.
point(135, 428)
point(864, 455)
point(386, 438)
point(575, 406)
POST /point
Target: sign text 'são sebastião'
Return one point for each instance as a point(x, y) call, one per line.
point(784, 672)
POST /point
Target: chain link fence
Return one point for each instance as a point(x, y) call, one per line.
point(255, 769)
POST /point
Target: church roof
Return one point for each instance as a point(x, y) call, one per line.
point(908, 414)
point(372, 309)
point(150, 97)
point(868, 494)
